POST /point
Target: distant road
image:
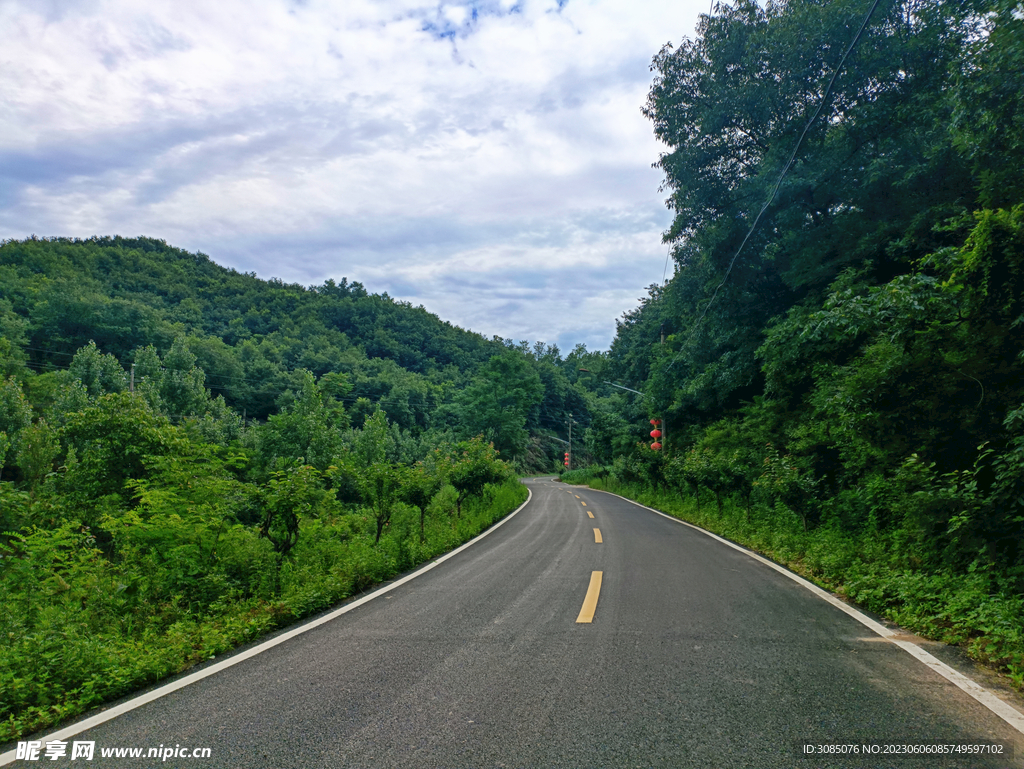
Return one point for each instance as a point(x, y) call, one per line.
point(584, 632)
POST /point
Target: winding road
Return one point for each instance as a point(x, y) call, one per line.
point(584, 631)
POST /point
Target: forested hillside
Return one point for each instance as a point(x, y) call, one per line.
point(252, 339)
point(841, 378)
point(248, 334)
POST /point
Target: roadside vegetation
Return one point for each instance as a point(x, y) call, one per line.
point(135, 546)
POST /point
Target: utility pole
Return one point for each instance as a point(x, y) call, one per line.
point(664, 429)
point(570, 441)
point(131, 383)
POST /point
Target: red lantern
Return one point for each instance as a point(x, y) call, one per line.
point(655, 433)
point(656, 446)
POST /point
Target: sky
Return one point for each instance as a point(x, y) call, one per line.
point(487, 160)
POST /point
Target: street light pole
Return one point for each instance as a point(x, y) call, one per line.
point(663, 426)
point(623, 388)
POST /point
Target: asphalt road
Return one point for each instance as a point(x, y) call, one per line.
point(696, 656)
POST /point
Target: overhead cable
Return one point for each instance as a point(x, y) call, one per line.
point(785, 170)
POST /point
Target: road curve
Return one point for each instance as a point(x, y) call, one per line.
point(694, 655)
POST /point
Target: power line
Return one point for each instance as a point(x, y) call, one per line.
point(785, 170)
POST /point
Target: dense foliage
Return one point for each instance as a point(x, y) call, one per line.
point(188, 326)
point(845, 386)
point(135, 544)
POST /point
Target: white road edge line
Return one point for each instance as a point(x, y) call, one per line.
point(181, 683)
point(1004, 710)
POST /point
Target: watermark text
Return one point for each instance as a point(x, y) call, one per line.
point(52, 750)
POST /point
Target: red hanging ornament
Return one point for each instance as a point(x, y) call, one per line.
point(655, 433)
point(656, 446)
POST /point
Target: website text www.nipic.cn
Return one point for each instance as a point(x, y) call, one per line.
point(55, 749)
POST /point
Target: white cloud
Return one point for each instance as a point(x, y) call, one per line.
point(419, 148)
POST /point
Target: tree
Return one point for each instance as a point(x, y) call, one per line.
point(308, 427)
point(471, 466)
point(731, 104)
point(69, 396)
point(182, 390)
point(5, 447)
point(112, 439)
point(988, 116)
point(12, 339)
point(498, 402)
point(289, 496)
point(419, 489)
point(97, 372)
point(15, 415)
point(180, 510)
point(38, 448)
point(785, 482)
point(148, 371)
point(380, 480)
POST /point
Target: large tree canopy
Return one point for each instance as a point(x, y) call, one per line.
point(732, 103)
point(875, 173)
